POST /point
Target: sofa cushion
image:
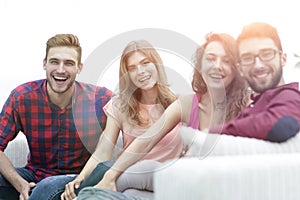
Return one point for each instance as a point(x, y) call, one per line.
point(17, 150)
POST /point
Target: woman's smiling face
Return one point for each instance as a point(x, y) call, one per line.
point(217, 66)
point(142, 72)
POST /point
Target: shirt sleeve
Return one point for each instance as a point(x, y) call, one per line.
point(277, 120)
point(9, 123)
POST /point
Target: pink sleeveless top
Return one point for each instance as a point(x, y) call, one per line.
point(169, 147)
point(194, 117)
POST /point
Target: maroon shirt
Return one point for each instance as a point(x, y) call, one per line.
point(274, 115)
point(60, 140)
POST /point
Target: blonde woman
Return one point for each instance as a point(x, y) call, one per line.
point(143, 96)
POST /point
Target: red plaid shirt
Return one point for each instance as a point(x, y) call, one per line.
point(60, 140)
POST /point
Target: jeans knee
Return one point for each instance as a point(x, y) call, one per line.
point(50, 188)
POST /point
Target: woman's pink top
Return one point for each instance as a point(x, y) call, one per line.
point(169, 147)
point(194, 117)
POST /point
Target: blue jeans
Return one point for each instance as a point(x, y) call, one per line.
point(96, 175)
point(7, 191)
point(47, 189)
point(92, 193)
point(52, 187)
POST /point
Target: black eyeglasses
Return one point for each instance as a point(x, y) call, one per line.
point(263, 55)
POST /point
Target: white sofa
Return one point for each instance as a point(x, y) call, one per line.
point(231, 168)
point(219, 168)
point(17, 150)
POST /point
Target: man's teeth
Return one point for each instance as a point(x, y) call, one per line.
point(262, 75)
point(59, 78)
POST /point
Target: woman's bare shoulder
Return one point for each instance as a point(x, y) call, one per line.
point(186, 106)
point(186, 99)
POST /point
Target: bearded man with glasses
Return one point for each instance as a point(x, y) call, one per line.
point(274, 113)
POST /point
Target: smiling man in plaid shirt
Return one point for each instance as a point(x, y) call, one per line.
point(61, 118)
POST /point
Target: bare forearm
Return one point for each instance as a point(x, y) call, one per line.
point(8, 171)
point(128, 158)
point(141, 146)
point(101, 154)
point(145, 142)
point(88, 168)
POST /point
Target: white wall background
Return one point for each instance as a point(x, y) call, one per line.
point(26, 25)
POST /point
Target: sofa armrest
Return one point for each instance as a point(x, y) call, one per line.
point(247, 177)
point(202, 144)
point(17, 151)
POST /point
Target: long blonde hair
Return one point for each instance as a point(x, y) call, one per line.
point(237, 93)
point(129, 94)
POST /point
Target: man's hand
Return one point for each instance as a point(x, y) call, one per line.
point(24, 193)
point(69, 192)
